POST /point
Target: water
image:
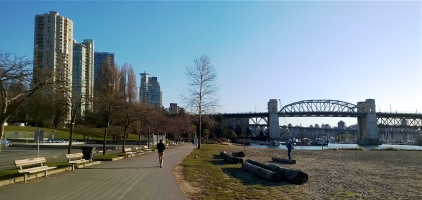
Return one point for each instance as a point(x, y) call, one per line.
point(366, 147)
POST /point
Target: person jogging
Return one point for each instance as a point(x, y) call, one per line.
point(161, 147)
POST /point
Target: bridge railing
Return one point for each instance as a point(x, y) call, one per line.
point(400, 112)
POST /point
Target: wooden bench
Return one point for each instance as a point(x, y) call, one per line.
point(139, 150)
point(34, 169)
point(128, 152)
point(146, 149)
point(76, 158)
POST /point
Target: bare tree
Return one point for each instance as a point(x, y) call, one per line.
point(107, 98)
point(129, 107)
point(86, 131)
point(39, 107)
point(74, 103)
point(149, 121)
point(202, 88)
point(16, 85)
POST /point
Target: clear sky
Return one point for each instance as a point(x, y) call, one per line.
point(287, 50)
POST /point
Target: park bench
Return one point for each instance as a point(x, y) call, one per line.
point(76, 158)
point(146, 149)
point(128, 152)
point(139, 150)
point(34, 169)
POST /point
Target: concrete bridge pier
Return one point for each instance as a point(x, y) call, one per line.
point(273, 123)
point(367, 125)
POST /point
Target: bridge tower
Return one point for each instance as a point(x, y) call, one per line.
point(273, 123)
point(367, 125)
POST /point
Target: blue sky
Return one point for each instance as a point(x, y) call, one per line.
point(287, 50)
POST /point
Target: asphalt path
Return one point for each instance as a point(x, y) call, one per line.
point(139, 177)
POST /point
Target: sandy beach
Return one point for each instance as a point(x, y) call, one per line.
point(360, 174)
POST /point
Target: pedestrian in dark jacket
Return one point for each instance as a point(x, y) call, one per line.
point(289, 148)
point(161, 147)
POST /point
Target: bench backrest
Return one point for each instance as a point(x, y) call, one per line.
point(128, 149)
point(74, 156)
point(30, 161)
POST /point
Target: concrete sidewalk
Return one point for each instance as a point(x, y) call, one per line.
point(139, 177)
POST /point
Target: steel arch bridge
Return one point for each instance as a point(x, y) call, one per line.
point(321, 108)
point(333, 108)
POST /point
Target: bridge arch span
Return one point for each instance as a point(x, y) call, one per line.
point(320, 106)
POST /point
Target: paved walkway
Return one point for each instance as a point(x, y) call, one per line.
point(139, 177)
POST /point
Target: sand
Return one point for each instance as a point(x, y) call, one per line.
point(361, 174)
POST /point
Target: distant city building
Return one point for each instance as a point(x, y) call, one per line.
point(173, 109)
point(99, 58)
point(150, 91)
point(326, 126)
point(341, 125)
point(53, 50)
point(83, 73)
point(353, 127)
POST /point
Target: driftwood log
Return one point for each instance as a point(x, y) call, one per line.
point(290, 175)
point(230, 158)
point(284, 160)
point(238, 154)
point(261, 172)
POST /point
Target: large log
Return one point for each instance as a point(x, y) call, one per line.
point(230, 158)
point(290, 175)
point(284, 160)
point(261, 172)
point(238, 154)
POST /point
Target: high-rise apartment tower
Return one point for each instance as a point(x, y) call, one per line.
point(83, 74)
point(150, 91)
point(53, 49)
point(99, 58)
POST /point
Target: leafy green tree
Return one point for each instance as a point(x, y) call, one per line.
point(220, 129)
point(231, 135)
point(238, 130)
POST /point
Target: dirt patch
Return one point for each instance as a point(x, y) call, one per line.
point(191, 191)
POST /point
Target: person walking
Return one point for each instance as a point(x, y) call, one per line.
point(289, 148)
point(161, 147)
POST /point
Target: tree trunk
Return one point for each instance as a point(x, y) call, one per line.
point(69, 149)
point(284, 160)
point(1, 132)
point(238, 154)
point(261, 172)
point(148, 138)
point(124, 140)
point(139, 139)
point(230, 158)
point(105, 140)
point(290, 175)
point(200, 128)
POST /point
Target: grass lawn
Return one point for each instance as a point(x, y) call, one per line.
point(219, 179)
point(109, 156)
point(64, 133)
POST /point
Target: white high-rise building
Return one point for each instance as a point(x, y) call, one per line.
point(53, 51)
